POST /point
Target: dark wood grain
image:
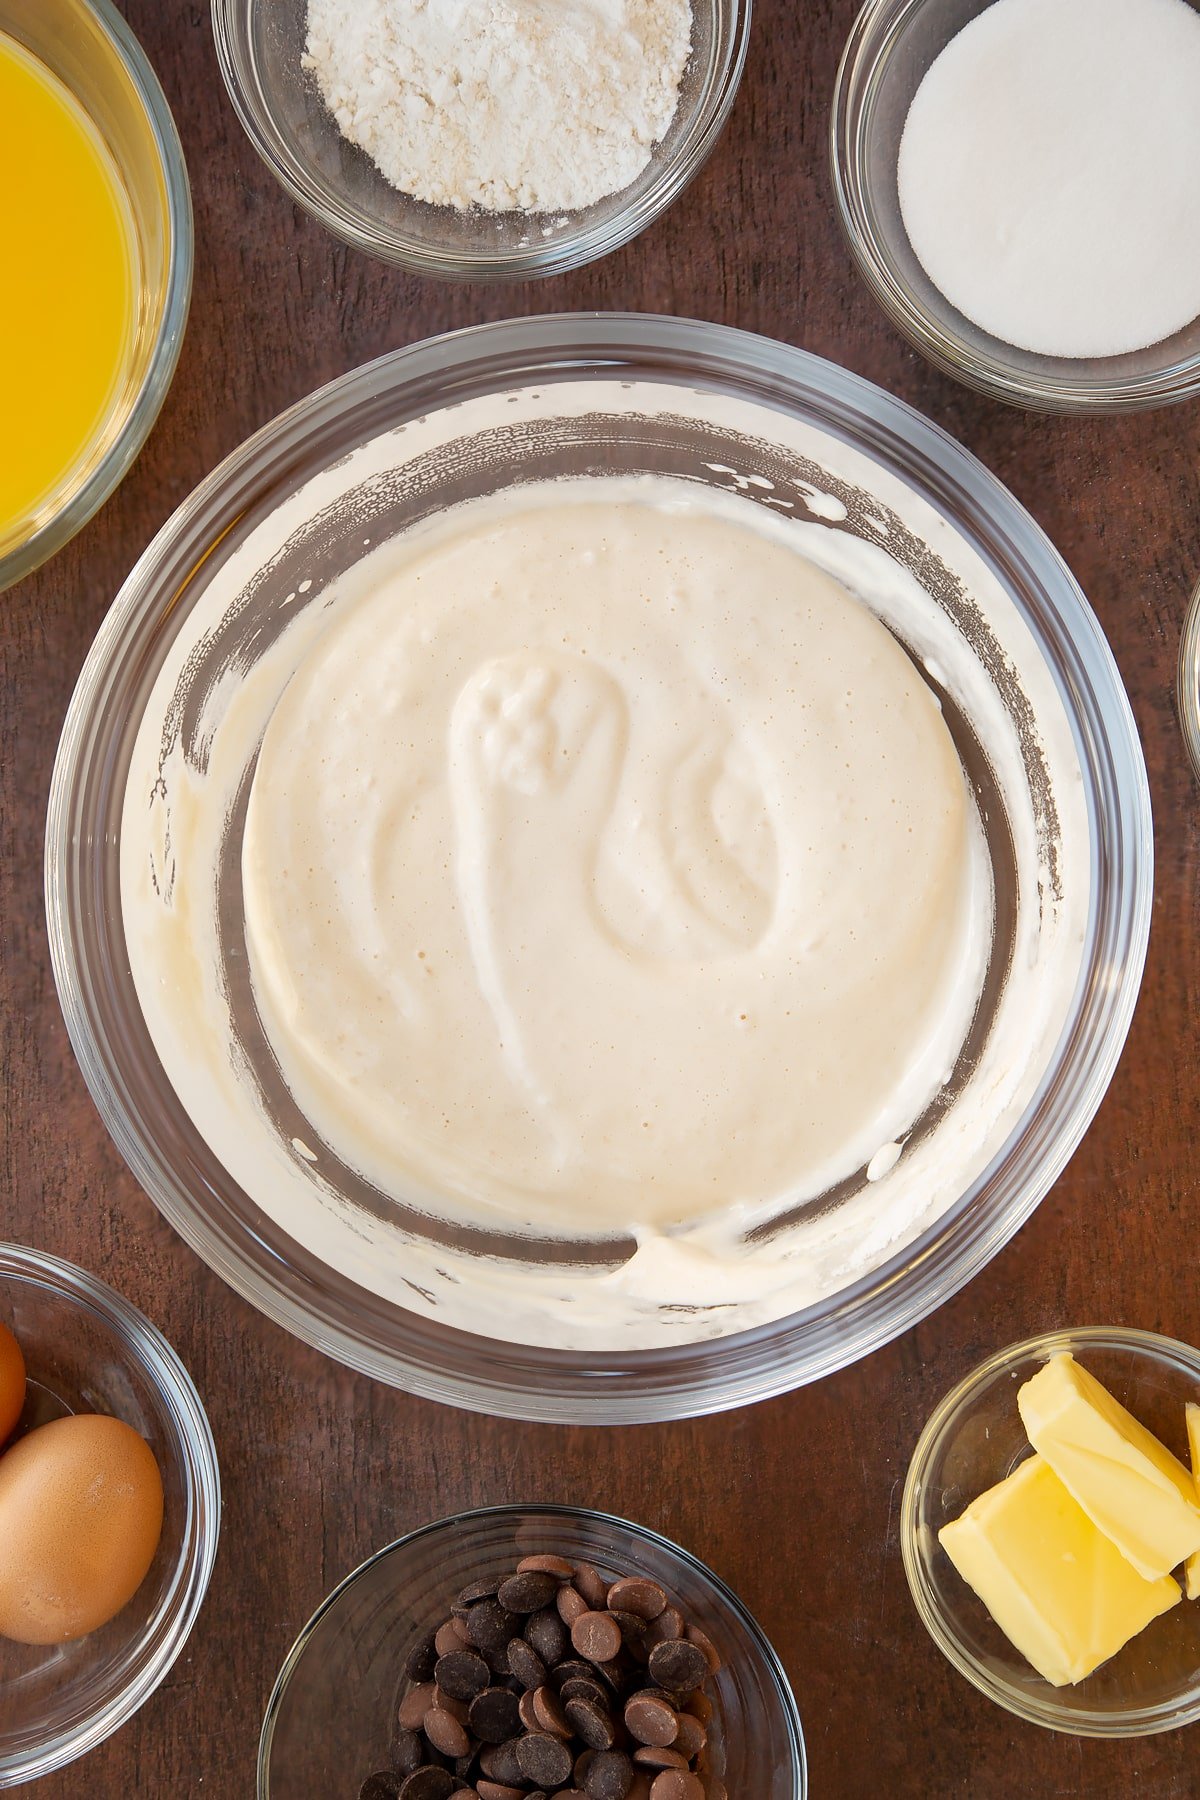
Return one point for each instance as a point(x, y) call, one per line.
point(321, 1467)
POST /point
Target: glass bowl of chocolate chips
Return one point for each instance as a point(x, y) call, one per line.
point(519, 1653)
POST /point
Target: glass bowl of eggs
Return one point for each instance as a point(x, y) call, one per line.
point(109, 1511)
point(341, 1714)
point(88, 357)
point(1027, 229)
point(477, 192)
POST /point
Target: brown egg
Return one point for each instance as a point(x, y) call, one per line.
point(12, 1381)
point(81, 1506)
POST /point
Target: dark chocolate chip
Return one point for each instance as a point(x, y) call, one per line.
point(678, 1665)
point(547, 1710)
point(445, 1733)
point(584, 1687)
point(474, 1591)
point(651, 1719)
point(499, 1762)
point(418, 1664)
point(528, 1592)
point(634, 1594)
point(498, 1790)
point(494, 1715)
point(525, 1663)
point(415, 1704)
point(383, 1785)
point(591, 1585)
point(609, 1776)
point(704, 1643)
point(408, 1752)
point(570, 1603)
point(545, 1759)
point(450, 1703)
point(656, 1756)
point(572, 1669)
point(633, 1633)
point(548, 1635)
point(461, 1674)
point(677, 1784)
point(669, 1624)
point(558, 1566)
point(597, 1636)
point(490, 1625)
point(691, 1736)
point(590, 1723)
point(428, 1783)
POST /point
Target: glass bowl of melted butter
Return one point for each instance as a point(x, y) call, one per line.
point(599, 868)
point(99, 252)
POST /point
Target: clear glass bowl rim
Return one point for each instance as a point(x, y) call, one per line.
point(481, 1514)
point(568, 250)
point(1140, 1722)
point(108, 474)
point(1188, 682)
point(202, 1482)
point(517, 1381)
point(864, 60)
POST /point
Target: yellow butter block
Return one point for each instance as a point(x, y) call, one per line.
point(1192, 1570)
point(1128, 1484)
point(1062, 1594)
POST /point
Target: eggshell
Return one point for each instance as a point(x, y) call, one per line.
point(12, 1382)
point(81, 1507)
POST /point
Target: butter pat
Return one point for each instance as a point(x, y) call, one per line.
point(1059, 1590)
point(1128, 1484)
point(1192, 1571)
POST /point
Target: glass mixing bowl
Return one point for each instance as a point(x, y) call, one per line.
point(329, 1721)
point(91, 49)
point(976, 1439)
point(260, 47)
point(890, 48)
point(87, 1350)
point(403, 1295)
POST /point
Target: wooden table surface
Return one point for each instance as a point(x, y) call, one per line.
point(795, 1502)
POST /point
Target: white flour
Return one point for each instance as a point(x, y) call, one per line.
point(510, 105)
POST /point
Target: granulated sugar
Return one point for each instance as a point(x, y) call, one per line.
point(510, 105)
point(1049, 173)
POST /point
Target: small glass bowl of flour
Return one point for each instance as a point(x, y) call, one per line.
point(1019, 181)
point(483, 138)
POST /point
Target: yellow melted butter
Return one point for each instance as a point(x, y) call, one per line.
point(68, 292)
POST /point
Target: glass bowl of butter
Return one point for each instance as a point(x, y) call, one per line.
point(599, 868)
point(1050, 1529)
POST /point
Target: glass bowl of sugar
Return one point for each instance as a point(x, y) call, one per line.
point(1018, 184)
point(468, 141)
